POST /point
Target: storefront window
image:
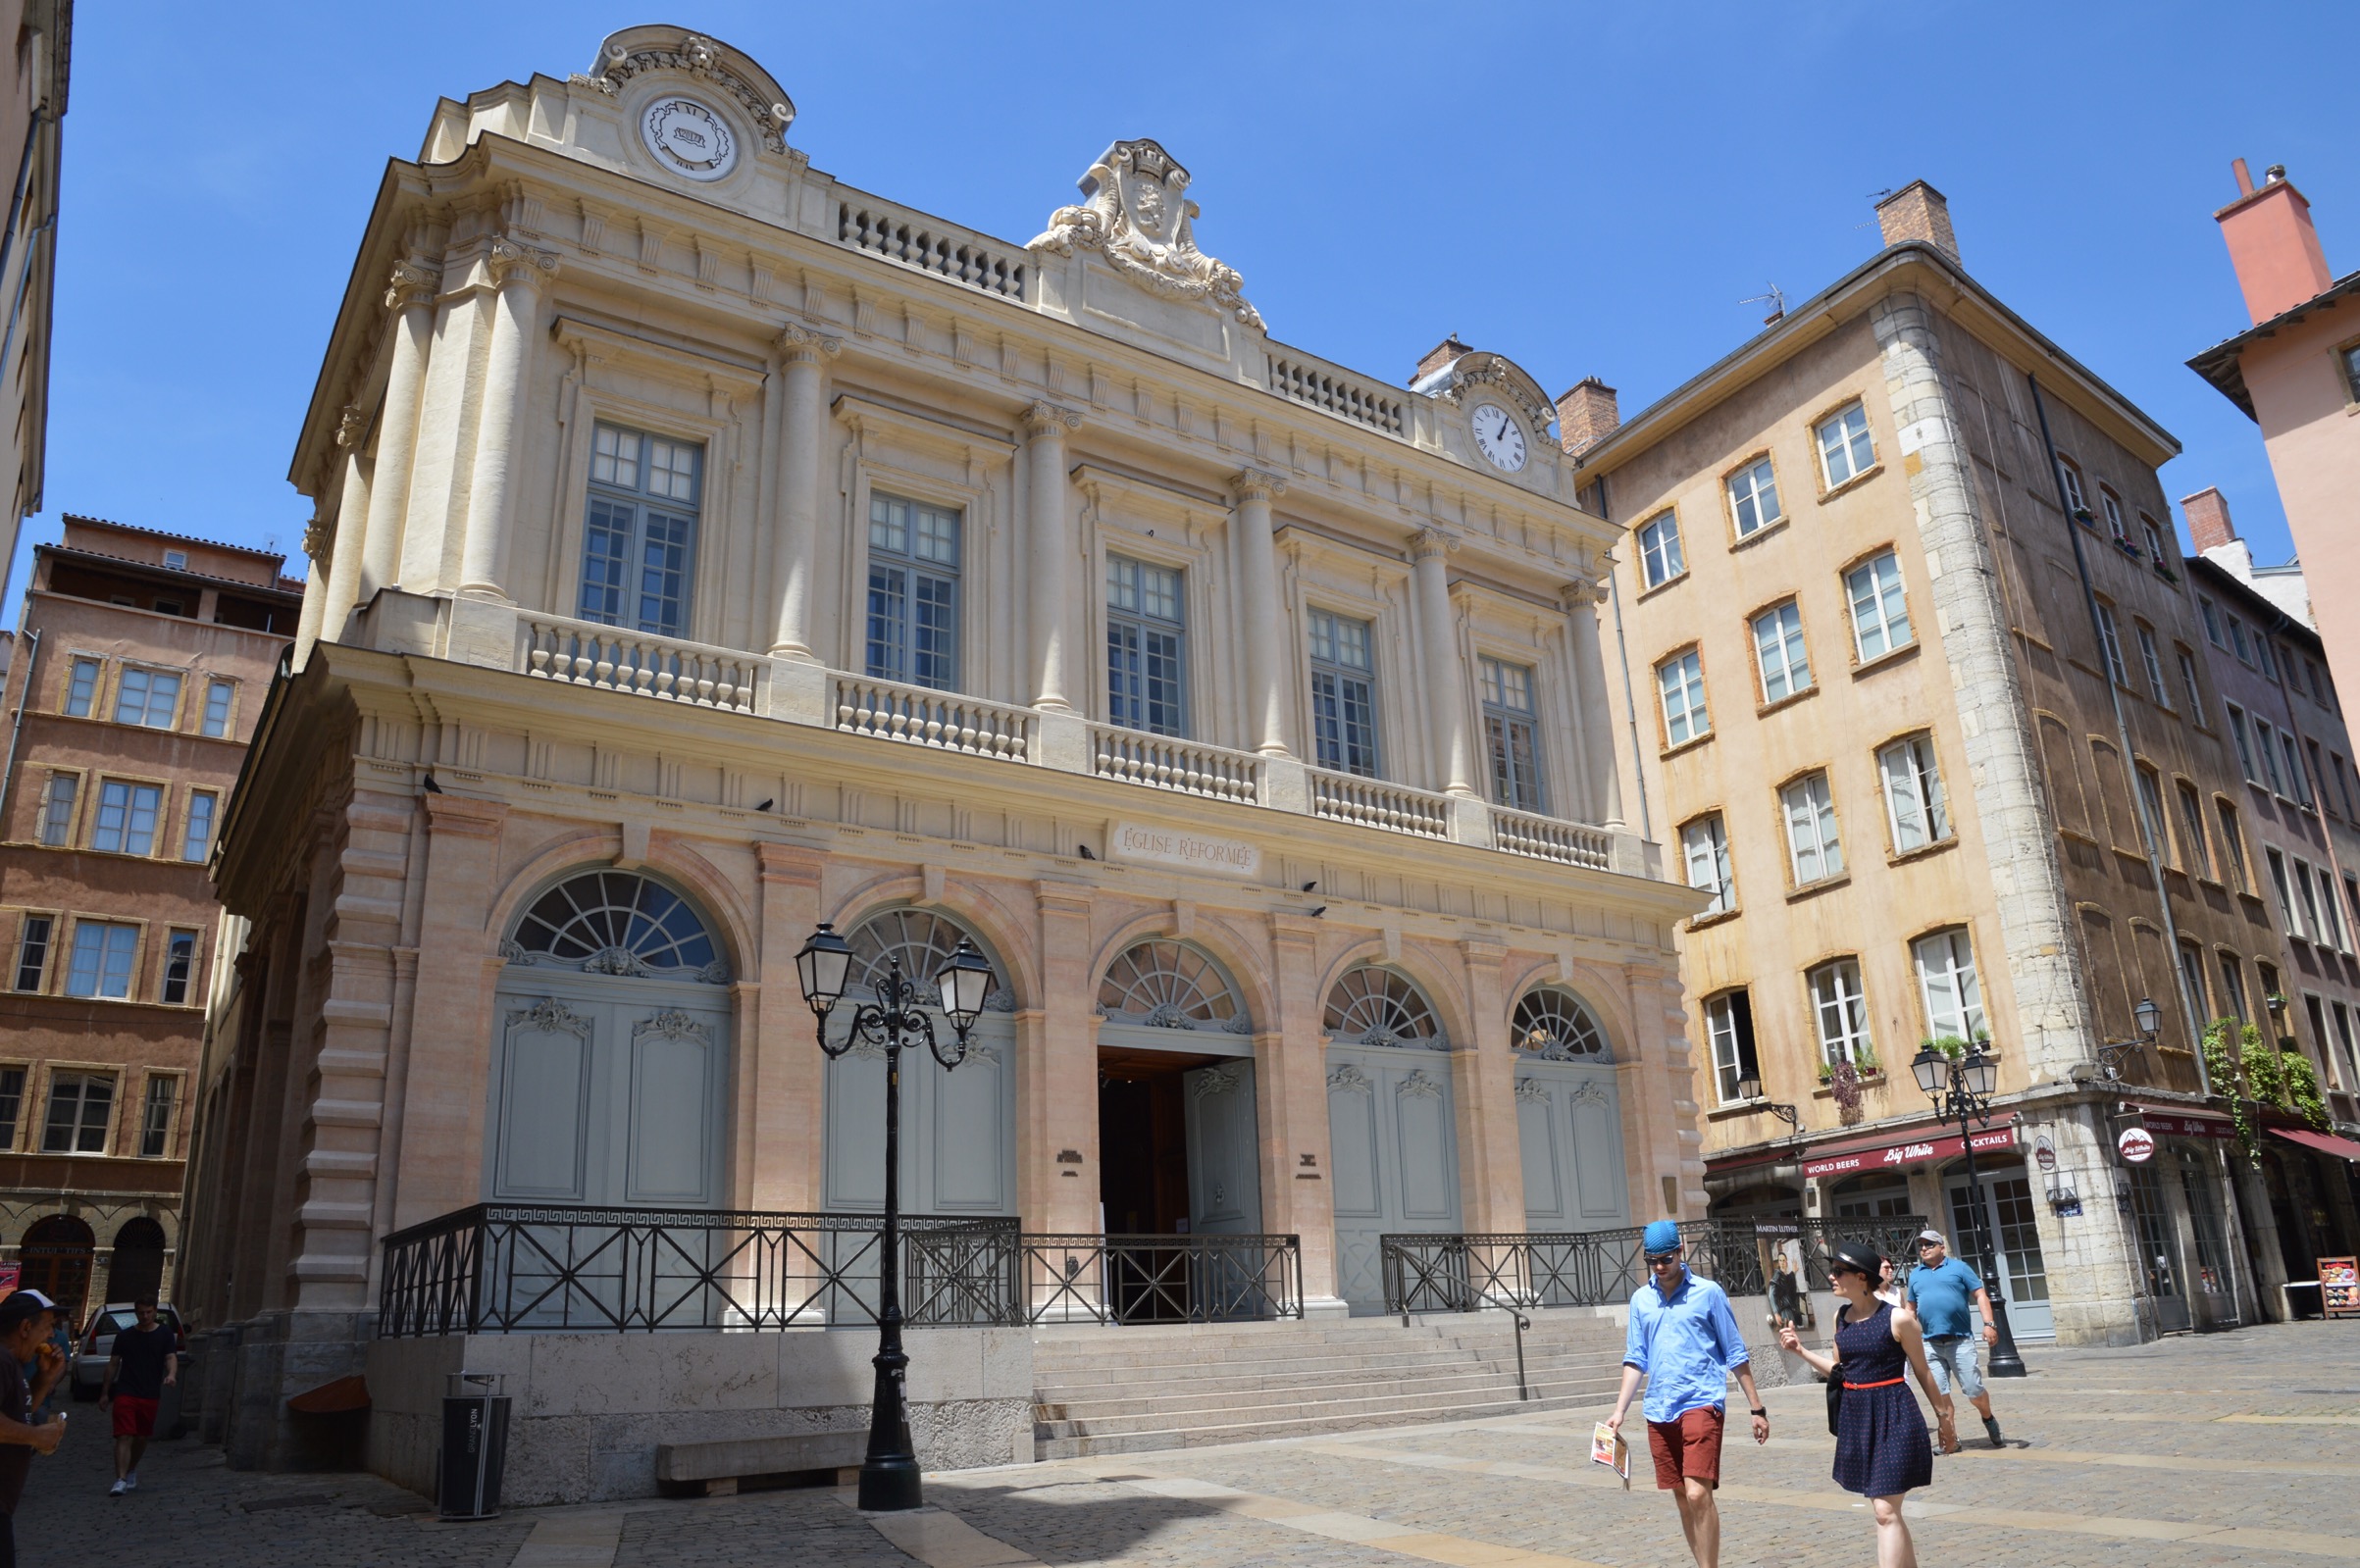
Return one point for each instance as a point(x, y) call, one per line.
point(2204, 1214)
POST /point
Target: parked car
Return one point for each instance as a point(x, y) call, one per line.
point(98, 1343)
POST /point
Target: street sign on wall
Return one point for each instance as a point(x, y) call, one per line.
point(2138, 1145)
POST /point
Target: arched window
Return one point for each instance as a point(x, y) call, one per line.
point(1374, 1006)
point(1557, 1026)
point(135, 1270)
point(617, 923)
point(920, 941)
point(1166, 985)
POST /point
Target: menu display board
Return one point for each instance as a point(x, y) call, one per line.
point(2339, 1286)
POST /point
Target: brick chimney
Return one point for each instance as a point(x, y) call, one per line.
point(1918, 211)
point(2208, 519)
point(1586, 415)
point(1439, 357)
point(2272, 243)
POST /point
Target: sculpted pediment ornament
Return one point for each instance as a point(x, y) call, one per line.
point(637, 51)
point(1134, 212)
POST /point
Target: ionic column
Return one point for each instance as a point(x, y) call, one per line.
point(518, 272)
point(343, 568)
point(314, 590)
point(1257, 559)
point(1596, 735)
point(410, 294)
point(1050, 548)
point(1444, 701)
point(803, 354)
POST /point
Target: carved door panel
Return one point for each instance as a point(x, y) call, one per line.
point(1393, 1152)
point(1570, 1118)
point(958, 1129)
point(1224, 1150)
point(544, 1084)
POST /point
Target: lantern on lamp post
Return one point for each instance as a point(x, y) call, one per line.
point(1961, 1088)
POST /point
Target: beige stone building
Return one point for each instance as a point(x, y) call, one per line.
point(140, 666)
point(32, 110)
point(708, 549)
point(1917, 698)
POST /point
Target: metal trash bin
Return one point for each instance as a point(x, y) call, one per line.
point(475, 1446)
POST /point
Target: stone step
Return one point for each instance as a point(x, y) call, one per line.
point(1142, 1382)
point(1070, 1446)
point(1132, 1348)
point(1170, 1410)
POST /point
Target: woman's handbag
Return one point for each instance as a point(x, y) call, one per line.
point(1835, 1382)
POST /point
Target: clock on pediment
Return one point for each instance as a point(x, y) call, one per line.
point(1497, 437)
point(688, 138)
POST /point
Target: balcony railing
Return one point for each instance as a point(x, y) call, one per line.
point(1373, 803)
point(1602, 1267)
point(925, 717)
point(1163, 1279)
point(1162, 762)
point(584, 653)
point(1524, 832)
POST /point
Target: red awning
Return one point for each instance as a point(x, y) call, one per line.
point(2325, 1143)
point(2179, 1121)
point(1891, 1151)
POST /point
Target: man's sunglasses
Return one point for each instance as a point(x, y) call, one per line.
point(1922, 1246)
point(1656, 1260)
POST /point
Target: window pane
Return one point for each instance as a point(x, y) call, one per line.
point(32, 956)
point(1810, 835)
point(155, 1118)
point(1660, 549)
point(180, 958)
point(1682, 683)
point(1706, 846)
point(57, 809)
point(1779, 647)
point(1754, 498)
point(199, 841)
point(663, 573)
point(1343, 701)
point(1843, 1012)
point(615, 457)
point(82, 689)
point(11, 1104)
point(1880, 620)
point(217, 708)
point(1946, 980)
point(101, 964)
point(605, 556)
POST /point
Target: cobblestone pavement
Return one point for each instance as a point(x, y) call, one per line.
point(2242, 1447)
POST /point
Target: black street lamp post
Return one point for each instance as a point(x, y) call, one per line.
point(1962, 1089)
point(889, 1473)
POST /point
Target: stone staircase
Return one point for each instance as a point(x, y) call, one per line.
point(1126, 1390)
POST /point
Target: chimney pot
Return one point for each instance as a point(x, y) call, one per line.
point(1918, 211)
point(2208, 519)
point(1586, 415)
point(2236, 167)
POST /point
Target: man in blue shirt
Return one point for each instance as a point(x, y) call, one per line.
point(1685, 1339)
point(1940, 1290)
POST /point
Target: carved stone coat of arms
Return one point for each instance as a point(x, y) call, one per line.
point(1136, 213)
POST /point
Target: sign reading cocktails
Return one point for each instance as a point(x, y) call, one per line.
point(1182, 850)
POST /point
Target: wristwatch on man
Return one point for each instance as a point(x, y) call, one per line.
point(1764, 1414)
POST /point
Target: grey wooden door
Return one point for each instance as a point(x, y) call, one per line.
point(1394, 1157)
point(1224, 1150)
point(959, 1128)
point(1569, 1129)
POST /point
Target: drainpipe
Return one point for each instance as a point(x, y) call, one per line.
point(8, 769)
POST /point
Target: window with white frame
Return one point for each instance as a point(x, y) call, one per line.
point(2306, 897)
point(218, 695)
point(1512, 734)
point(2317, 770)
point(913, 609)
point(149, 699)
point(1813, 847)
point(2343, 1038)
point(2232, 847)
point(102, 961)
point(2265, 748)
point(2212, 622)
point(2194, 845)
point(2343, 784)
point(2155, 539)
point(1729, 1024)
point(1946, 982)
point(2191, 970)
point(1660, 554)
point(1779, 651)
point(2110, 636)
point(57, 809)
point(1842, 1007)
point(80, 1106)
point(1147, 684)
point(1705, 844)
point(1845, 450)
point(2072, 477)
point(639, 530)
point(2285, 898)
point(1344, 710)
point(1680, 680)
point(2112, 505)
point(2261, 652)
point(2237, 730)
point(197, 841)
point(2187, 682)
point(81, 688)
point(1913, 793)
point(1880, 618)
point(1753, 497)
point(2150, 800)
point(2237, 643)
point(180, 967)
point(2232, 986)
point(33, 952)
point(175, 560)
point(155, 1116)
point(127, 814)
point(2151, 659)
point(2299, 780)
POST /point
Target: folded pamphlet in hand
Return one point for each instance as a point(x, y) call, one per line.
point(1608, 1448)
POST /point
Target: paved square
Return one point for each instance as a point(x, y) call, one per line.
point(2240, 1448)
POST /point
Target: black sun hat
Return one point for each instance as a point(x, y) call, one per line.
point(1859, 1259)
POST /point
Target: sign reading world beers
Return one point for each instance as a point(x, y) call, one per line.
point(1910, 1151)
point(1183, 849)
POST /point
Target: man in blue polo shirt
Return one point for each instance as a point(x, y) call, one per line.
point(1683, 1338)
point(1949, 1297)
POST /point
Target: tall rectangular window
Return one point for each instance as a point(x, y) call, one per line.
point(126, 816)
point(180, 967)
point(2112, 505)
point(1344, 712)
point(2212, 622)
point(79, 1105)
point(2330, 915)
point(1845, 450)
point(1842, 1007)
point(2110, 636)
point(1778, 649)
point(1729, 1022)
point(155, 1117)
point(12, 1105)
point(81, 688)
point(2343, 776)
point(1753, 497)
point(2344, 1041)
point(1146, 647)
point(57, 809)
point(1660, 554)
point(640, 531)
point(1913, 793)
point(1512, 734)
point(1680, 680)
point(2261, 651)
point(33, 952)
point(1880, 617)
point(2308, 901)
point(103, 956)
point(197, 842)
point(913, 592)
point(1811, 836)
point(2193, 841)
point(2265, 749)
point(2295, 777)
point(2237, 731)
point(2150, 800)
point(2232, 847)
point(2072, 477)
point(2151, 658)
point(218, 695)
point(1704, 846)
point(2285, 898)
point(2155, 539)
point(149, 698)
point(2237, 640)
point(2318, 771)
point(2191, 970)
point(2187, 683)
point(1954, 1002)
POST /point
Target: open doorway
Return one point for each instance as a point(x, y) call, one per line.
point(1143, 1139)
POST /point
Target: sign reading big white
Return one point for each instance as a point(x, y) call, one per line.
point(2138, 1145)
point(1182, 850)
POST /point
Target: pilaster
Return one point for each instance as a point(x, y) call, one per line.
point(1065, 1090)
point(1438, 648)
point(783, 1080)
point(1050, 554)
point(804, 353)
point(1252, 490)
point(410, 295)
point(1291, 1088)
point(518, 274)
point(1491, 1170)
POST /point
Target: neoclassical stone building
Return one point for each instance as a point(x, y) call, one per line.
point(708, 549)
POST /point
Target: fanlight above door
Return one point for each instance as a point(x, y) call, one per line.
point(1374, 1007)
point(617, 923)
point(1557, 1026)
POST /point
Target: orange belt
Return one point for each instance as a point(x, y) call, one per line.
point(1886, 1384)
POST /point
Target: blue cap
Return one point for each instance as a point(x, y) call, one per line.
point(1663, 1236)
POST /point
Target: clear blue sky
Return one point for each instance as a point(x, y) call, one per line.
point(1590, 189)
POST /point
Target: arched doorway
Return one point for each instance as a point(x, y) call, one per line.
point(1392, 1124)
point(1569, 1115)
point(959, 1127)
point(135, 1263)
point(55, 1259)
point(1177, 1146)
point(611, 1050)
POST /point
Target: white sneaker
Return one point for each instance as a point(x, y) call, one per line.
point(131, 1482)
point(118, 1490)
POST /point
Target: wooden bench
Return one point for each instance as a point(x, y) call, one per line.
point(715, 1468)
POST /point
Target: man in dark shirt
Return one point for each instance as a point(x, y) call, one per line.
point(24, 1337)
point(146, 1362)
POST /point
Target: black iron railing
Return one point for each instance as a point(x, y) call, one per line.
point(1163, 1279)
point(510, 1268)
point(1602, 1267)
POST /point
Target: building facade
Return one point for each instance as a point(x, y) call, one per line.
point(138, 669)
point(708, 549)
point(1916, 700)
point(32, 110)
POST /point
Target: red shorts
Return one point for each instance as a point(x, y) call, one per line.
point(137, 1418)
point(1688, 1448)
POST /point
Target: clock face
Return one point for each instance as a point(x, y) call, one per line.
point(689, 139)
point(1497, 437)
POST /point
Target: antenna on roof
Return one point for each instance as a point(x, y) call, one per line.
point(1776, 299)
